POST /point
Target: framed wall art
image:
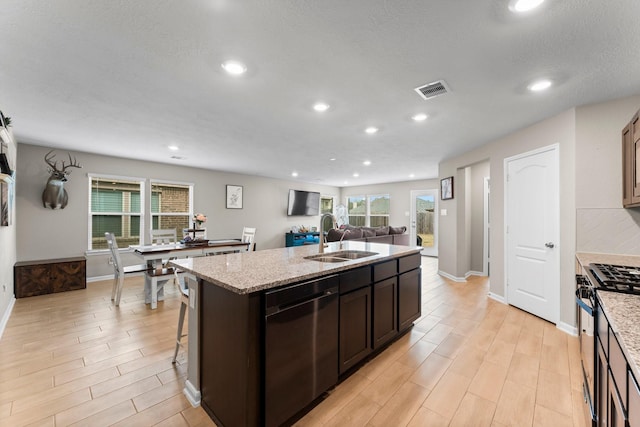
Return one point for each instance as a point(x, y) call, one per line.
point(446, 188)
point(234, 196)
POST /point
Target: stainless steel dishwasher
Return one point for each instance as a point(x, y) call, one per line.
point(301, 346)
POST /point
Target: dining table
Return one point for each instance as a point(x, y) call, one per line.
point(153, 255)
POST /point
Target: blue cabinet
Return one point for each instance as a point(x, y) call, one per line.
point(299, 239)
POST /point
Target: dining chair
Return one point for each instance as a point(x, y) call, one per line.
point(157, 277)
point(248, 236)
point(162, 236)
point(184, 289)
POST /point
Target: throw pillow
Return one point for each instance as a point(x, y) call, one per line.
point(397, 230)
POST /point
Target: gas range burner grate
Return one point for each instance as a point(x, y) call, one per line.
point(617, 277)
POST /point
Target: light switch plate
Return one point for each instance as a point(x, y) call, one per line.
point(443, 212)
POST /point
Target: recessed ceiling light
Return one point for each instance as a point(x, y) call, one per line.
point(366, 162)
point(371, 130)
point(294, 174)
point(356, 174)
point(524, 5)
point(321, 107)
point(173, 148)
point(412, 175)
point(333, 159)
point(234, 68)
point(420, 117)
point(539, 85)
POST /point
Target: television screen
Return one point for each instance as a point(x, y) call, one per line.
point(303, 203)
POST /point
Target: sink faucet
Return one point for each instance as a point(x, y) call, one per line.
point(322, 244)
point(342, 237)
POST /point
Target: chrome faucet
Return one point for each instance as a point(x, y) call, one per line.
point(323, 244)
point(342, 237)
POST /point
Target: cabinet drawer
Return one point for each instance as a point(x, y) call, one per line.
point(384, 270)
point(617, 364)
point(407, 263)
point(355, 279)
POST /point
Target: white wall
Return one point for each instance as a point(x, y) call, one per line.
point(478, 173)
point(602, 224)
point(45, 233)
point(559, 129)
point(7, 243)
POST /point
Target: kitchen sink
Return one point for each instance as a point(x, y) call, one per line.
point(340, 256)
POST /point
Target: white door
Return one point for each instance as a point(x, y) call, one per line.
point(532, 232)
point(424, 221)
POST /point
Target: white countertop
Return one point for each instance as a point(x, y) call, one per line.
point(248, 272)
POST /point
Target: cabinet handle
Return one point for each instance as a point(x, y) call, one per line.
point(549, 244)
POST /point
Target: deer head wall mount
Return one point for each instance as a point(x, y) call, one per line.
point(54, 195)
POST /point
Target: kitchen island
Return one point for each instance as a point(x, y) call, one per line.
point(276, 329)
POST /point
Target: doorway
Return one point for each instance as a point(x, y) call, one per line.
point(424, 221)
point(532, 230)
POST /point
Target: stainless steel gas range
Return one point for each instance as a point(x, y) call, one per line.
point(600, 277)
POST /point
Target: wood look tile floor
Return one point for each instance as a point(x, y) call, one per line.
point(75, 359)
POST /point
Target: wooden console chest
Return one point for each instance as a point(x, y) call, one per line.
point(48, 276)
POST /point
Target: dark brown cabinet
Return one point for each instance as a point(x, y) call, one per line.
point(633, 409)
point(42, 277)
point(355, 327)
point(631, 163)
point(385, 318)
point(409, 298)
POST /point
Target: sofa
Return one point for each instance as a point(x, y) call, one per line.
point(390, 235)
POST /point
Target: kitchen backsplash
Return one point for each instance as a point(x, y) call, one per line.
point(615, 231)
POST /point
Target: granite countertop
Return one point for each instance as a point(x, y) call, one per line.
point(248, 272)
point(586, 258)
point(623, 313)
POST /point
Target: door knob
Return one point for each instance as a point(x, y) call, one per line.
point(549, 244)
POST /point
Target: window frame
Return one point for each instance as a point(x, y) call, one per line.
point(189, 213)
point(367, 215)
point(90, 214)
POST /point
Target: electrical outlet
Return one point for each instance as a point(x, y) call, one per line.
point(110, 260)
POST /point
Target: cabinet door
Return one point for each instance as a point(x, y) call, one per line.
point(385, 319)
point(635, 172)
point(409, 303)
point(31, 280)
point(355, 327)
point(633, 407)
point(627, 171)
point(602, 389)
point(616, 410)
point(68, 276)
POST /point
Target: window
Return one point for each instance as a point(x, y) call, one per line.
point(379, 210)
point(369, 211)
point(326, 206)
point(357, 210)
point(171, 206)
point(115, 206)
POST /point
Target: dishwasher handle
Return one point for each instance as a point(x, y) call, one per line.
point(291, 296)
point(285, 306)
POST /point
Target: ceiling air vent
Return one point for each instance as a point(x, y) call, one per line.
point(431, 90)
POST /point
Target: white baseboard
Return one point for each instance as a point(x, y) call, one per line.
point(193, 395)
point(496, 297)
point(450, 277)
point(474, 273)
point(99, 278)
point(565, 327)
point(7, 314)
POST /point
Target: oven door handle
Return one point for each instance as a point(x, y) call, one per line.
point(582, 304)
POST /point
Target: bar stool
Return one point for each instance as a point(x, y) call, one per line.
point(184, 289)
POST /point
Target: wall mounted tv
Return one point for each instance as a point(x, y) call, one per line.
point(303, 203)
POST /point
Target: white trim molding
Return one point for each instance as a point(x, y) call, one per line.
point(451, 277)
point(7, 314)
point(497, 297)
point(193, 396)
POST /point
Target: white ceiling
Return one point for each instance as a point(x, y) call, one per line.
point(129, 78)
